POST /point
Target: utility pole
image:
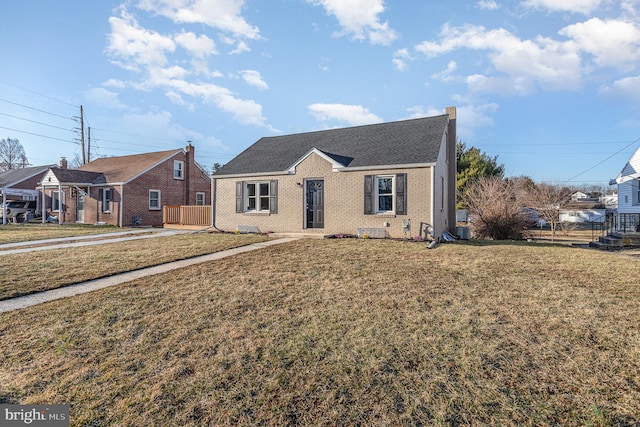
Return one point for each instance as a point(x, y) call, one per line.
point(84, 159)
point(89, 143)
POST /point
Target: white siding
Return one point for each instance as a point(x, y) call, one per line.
point(626, 197)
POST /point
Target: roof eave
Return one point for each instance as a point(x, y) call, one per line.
point(341, 169)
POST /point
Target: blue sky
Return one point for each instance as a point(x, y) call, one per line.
point(551, 88)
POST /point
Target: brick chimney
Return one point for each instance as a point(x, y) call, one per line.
point(63, 163)
point(190, 152)
point(451, 163)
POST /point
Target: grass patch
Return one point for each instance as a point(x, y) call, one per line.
point(14, 233)
point(343, 332)
point(25, 273)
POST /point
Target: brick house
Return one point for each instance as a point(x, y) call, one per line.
point(376, 179)
point(125, 190)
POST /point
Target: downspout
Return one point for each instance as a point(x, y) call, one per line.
point(213, 205)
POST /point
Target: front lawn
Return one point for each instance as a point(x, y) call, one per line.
point(344, 332)
point(25, 273)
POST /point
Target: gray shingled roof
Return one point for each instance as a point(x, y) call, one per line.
point(394, 143)
point(14, 176)
point(76, 176)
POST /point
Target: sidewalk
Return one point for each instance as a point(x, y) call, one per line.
point(86, 240)
point(93, 285)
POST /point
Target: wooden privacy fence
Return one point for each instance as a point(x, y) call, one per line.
point(186, 216)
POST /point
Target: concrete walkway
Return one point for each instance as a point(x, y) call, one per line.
point(87, 240)
point(93, 285)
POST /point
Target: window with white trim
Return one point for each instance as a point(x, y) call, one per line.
point(257, 196)
point(178, 169)
point(200, 199)
point(384, 194)
point(107, 197)
point(154, 200)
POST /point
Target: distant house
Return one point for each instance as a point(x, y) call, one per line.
point(125, 190)
point(20, 184)
point(582, 215)
point(383, 180)
point(628, 182)
point(578, 196)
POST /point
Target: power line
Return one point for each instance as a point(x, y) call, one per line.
point(37, 134)
point(602, 161)
point(35, 109)
point(40, 94)
point(34, 121)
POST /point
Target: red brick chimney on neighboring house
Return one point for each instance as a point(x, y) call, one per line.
point(190, 153)
point(63, 163)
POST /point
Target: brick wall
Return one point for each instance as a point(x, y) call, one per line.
point(344, 201)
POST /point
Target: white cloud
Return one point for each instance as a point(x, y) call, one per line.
point(627, 88)
point(178, 99)
point(198, 46)
point(224, 15)
point(541, 62)
point(576, 6)
point(104, 97)
point(146, 52)
point(611, 42)
point(132, 46)
point(472, 117)
point(253, 78)
point(487, 4)
point(245, 111)
point(360, 18)
point(115, 83)
point(446, 74)
point(401, 58)
point(418, 111)
point(336, 114)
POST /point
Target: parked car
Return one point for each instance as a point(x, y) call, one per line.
point(17, 211)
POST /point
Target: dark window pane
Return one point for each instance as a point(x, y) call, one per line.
point(264, 203)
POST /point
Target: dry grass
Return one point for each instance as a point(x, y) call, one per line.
point(25, 273)
point(12, 233)
point(344, 332)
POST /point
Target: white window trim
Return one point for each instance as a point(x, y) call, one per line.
point(377, 194)
point(106, 206)
point(201, 197)
point(178, 169)
point(154, 208)
point(257, 196)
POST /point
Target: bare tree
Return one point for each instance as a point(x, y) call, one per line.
point(496, 208)
point(547, 200)
point(12, 155)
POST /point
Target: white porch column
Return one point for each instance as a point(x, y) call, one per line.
point(60, 204)
point(4, 208)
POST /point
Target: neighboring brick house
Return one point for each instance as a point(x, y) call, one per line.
point(372, 179)
point(126, 190)
point(20, 184)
